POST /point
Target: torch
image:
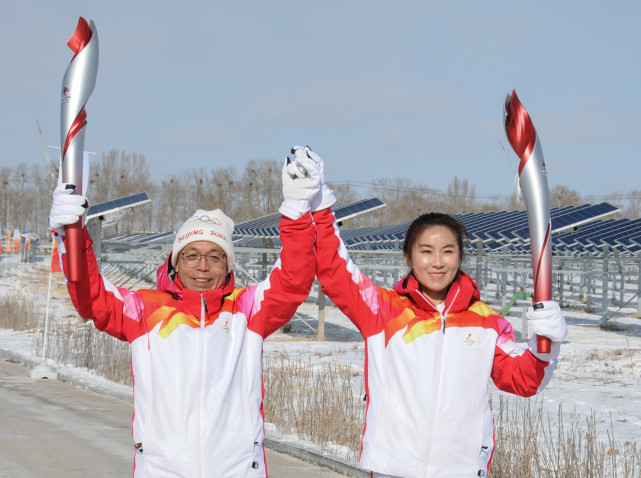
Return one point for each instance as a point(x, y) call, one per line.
point(77, 85)
point(534, 185)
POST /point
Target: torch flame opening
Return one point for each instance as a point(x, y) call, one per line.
point(519, 128)
point(80, 37)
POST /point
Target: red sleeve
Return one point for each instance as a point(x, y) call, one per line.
point(290, 280)
point(515, 369)
point(95, 298)
point(342, 280)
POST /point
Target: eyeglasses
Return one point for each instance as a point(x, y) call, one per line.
point(192, 259)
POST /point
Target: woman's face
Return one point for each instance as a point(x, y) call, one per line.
point(435, 259)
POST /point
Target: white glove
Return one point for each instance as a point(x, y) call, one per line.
point(326, 197)
point(548, 321)
point(301, 182)
point(66, 208)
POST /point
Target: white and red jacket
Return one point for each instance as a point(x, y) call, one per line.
point(426, 373)
point(196, 359)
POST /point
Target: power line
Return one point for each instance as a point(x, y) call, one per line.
point(428, 190)
point(418, 189)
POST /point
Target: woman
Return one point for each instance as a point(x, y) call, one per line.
point(431, 348)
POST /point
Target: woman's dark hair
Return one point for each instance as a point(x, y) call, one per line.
point(434, 219)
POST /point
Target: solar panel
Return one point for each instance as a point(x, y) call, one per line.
point(267, 226)
point(571, 217)
point(161, 238)
point(110, 207)
point(583, 233)
point(347, 211)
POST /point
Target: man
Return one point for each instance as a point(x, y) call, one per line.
point(196, 341)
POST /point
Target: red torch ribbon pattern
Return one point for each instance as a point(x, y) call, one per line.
point(77, 85)
point(534, 184)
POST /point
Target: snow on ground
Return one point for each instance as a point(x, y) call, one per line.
point(599, 371)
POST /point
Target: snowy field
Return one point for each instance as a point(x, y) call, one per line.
point(599, 371)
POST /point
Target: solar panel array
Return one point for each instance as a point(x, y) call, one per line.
point(251, 233)
point(576, 230)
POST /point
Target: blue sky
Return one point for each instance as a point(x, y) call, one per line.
point(379, 89)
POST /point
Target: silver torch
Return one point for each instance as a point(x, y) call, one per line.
point(77, 85)
point(534, 186)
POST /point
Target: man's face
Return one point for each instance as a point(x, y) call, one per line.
point(202, 266)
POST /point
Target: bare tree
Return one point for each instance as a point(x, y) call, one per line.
point(222, 188)
point(404, 200)
point(24, 204)
point(561, 196)
point(629, 203)
point(462, 196)
point(41, 180)
point(7, 198)
point(633, 209)
point(263, 188)
point(171, 203)
point(344, 193)
point(25, 197)
point(119, 174)
point(498, 203)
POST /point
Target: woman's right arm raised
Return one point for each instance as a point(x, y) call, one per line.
point(342, 280)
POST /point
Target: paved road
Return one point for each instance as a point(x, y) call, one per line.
point(52, 429)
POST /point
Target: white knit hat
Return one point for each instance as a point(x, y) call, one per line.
point(213, 226)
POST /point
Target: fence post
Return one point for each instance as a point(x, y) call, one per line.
point(94, 228)
point(479, 266)
point(263, 263)
point(604, 305)
point(588, 275)
point(622, 274)
point(504, 282)
point(639, 289)
point(320, 335)
point(560, 277)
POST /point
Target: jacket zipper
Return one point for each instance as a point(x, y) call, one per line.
point(441, 368)
point(203, 315)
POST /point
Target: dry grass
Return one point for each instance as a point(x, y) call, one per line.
point(85, 346)
point(315, 402)
point(533, 444)
point(18, 313)
point(612, 327)
point(611, 354)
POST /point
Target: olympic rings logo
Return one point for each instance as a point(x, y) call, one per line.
point(205, 220)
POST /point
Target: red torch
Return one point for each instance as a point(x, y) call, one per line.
point(77, 85)
point(534, 185)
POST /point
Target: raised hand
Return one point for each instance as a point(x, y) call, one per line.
point(326, 197)
point(301, 184)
